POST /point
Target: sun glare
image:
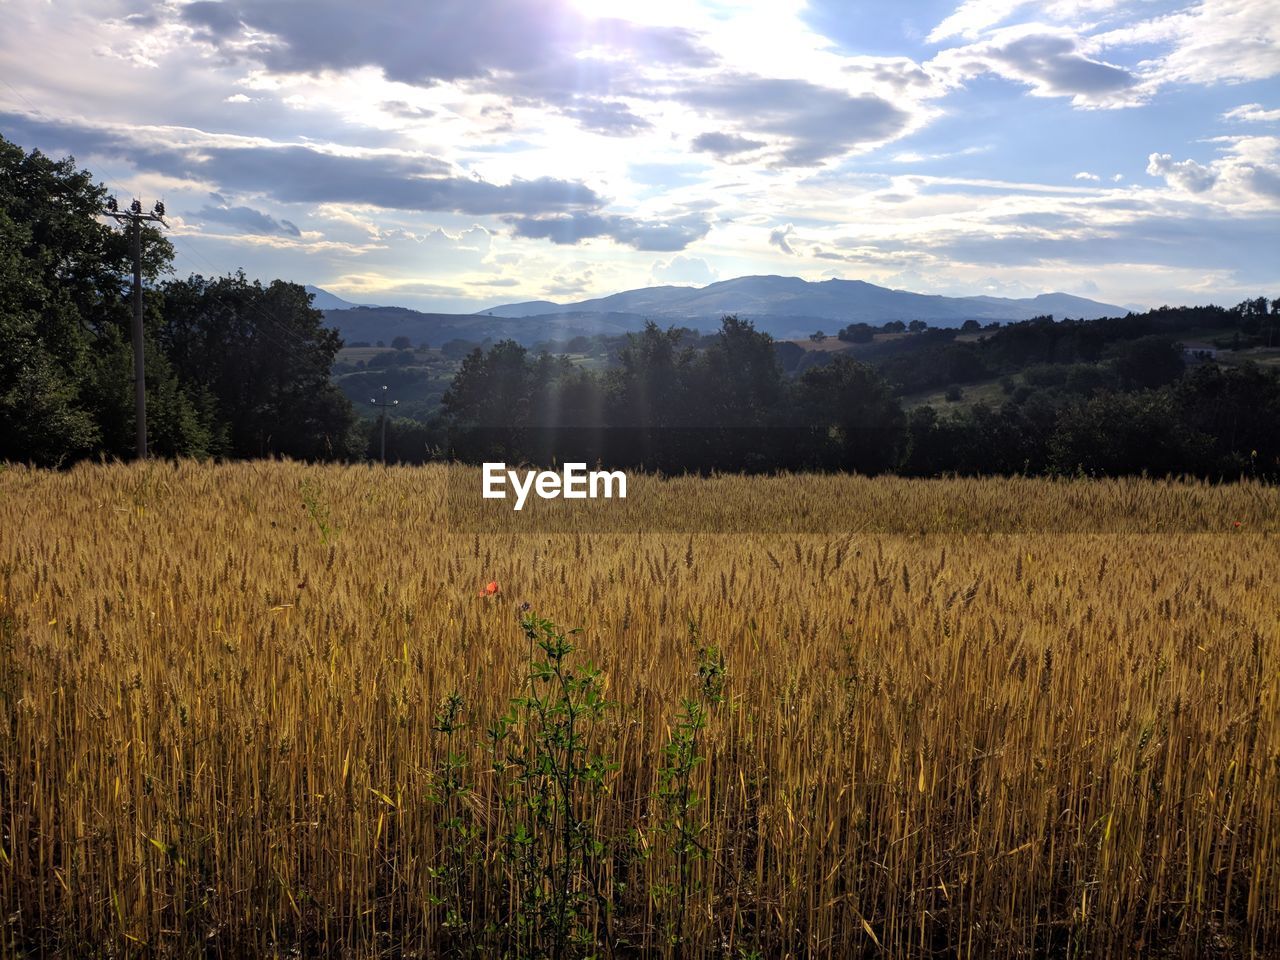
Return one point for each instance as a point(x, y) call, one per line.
point(652, 12)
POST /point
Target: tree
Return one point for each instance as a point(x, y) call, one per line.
point(262, 357)
point(42, 419)
point(853, 418)
point(491, 388)
point(970, 326)
point(1115, 434)
point(401, 343)
point(818, 337)
point(66, 378)
point(650, 386)
point(1149, 362)
point(857, 333)
point(894, 326)
point(740, 382)
point(917, 326)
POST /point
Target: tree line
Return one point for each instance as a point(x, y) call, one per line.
point(239, 369)
point(730, 406)
point(234, 368)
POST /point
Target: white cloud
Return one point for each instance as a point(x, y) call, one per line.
point(1085, 175)
point(1211, 42)
point(1252, 113)
point(1247, 173)
point(1053, 62)
point(973, 17)
point(681, 269)
point(1183, 174)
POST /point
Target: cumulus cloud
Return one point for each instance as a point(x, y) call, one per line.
point(248, 220)
point(1247, 172)
point(465, 39)
point(1086, 175)
point(1210, 42)
point(1252, 113)
point(1186, 175)
point(1051, 63)
point(293, 173)
point(814, 122)
point(658, 235)
point(682, 269)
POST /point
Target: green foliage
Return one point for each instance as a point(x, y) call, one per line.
point(856, 421)
point(553, 785)
point(683, 823)
point(233, 369)
point(264, 356)
point(461, 854)
point(318, 511)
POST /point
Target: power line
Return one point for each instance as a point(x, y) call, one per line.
point(134, 218)
point(385, 405)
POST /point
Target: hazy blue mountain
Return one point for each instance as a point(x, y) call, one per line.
point(371, 324)
point(530, 308)
point(770, 299)
point(324, 300)
point(785, 307)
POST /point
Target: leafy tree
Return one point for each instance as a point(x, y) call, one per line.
point(65, 317)
point(857, 333)
point(650, 386)
point(1118, 434)
point(1149, 362)
point(42, 419)
point(851, 412)
point(740, 381)
point(261, 357)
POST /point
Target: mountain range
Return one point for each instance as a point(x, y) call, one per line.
point(786, 307)
point(845, 300)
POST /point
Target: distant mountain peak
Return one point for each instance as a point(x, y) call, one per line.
point(791, 304)
point(322, 299)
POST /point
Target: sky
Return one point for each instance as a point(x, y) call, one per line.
point(457, 154)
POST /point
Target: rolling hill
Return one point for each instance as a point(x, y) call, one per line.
point(782, 306)
point(765, 299)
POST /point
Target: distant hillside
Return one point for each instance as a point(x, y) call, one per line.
point(529, 308)
point(789, 305)
point(322, 299)
point(785, 307)
point(371, 324)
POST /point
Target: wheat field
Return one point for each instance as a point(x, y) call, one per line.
point(226, 725)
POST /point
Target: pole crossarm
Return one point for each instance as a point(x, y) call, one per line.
point(133, 218)
point(384, 405)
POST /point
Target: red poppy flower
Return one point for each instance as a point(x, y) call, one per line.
point(490, 589)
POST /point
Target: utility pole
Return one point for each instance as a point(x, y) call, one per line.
point(385, 405)
point(133, 218)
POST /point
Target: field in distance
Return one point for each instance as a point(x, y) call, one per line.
point(267, 708)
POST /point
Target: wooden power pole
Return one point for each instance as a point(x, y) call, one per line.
point(385, 405)
point(133, 218)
